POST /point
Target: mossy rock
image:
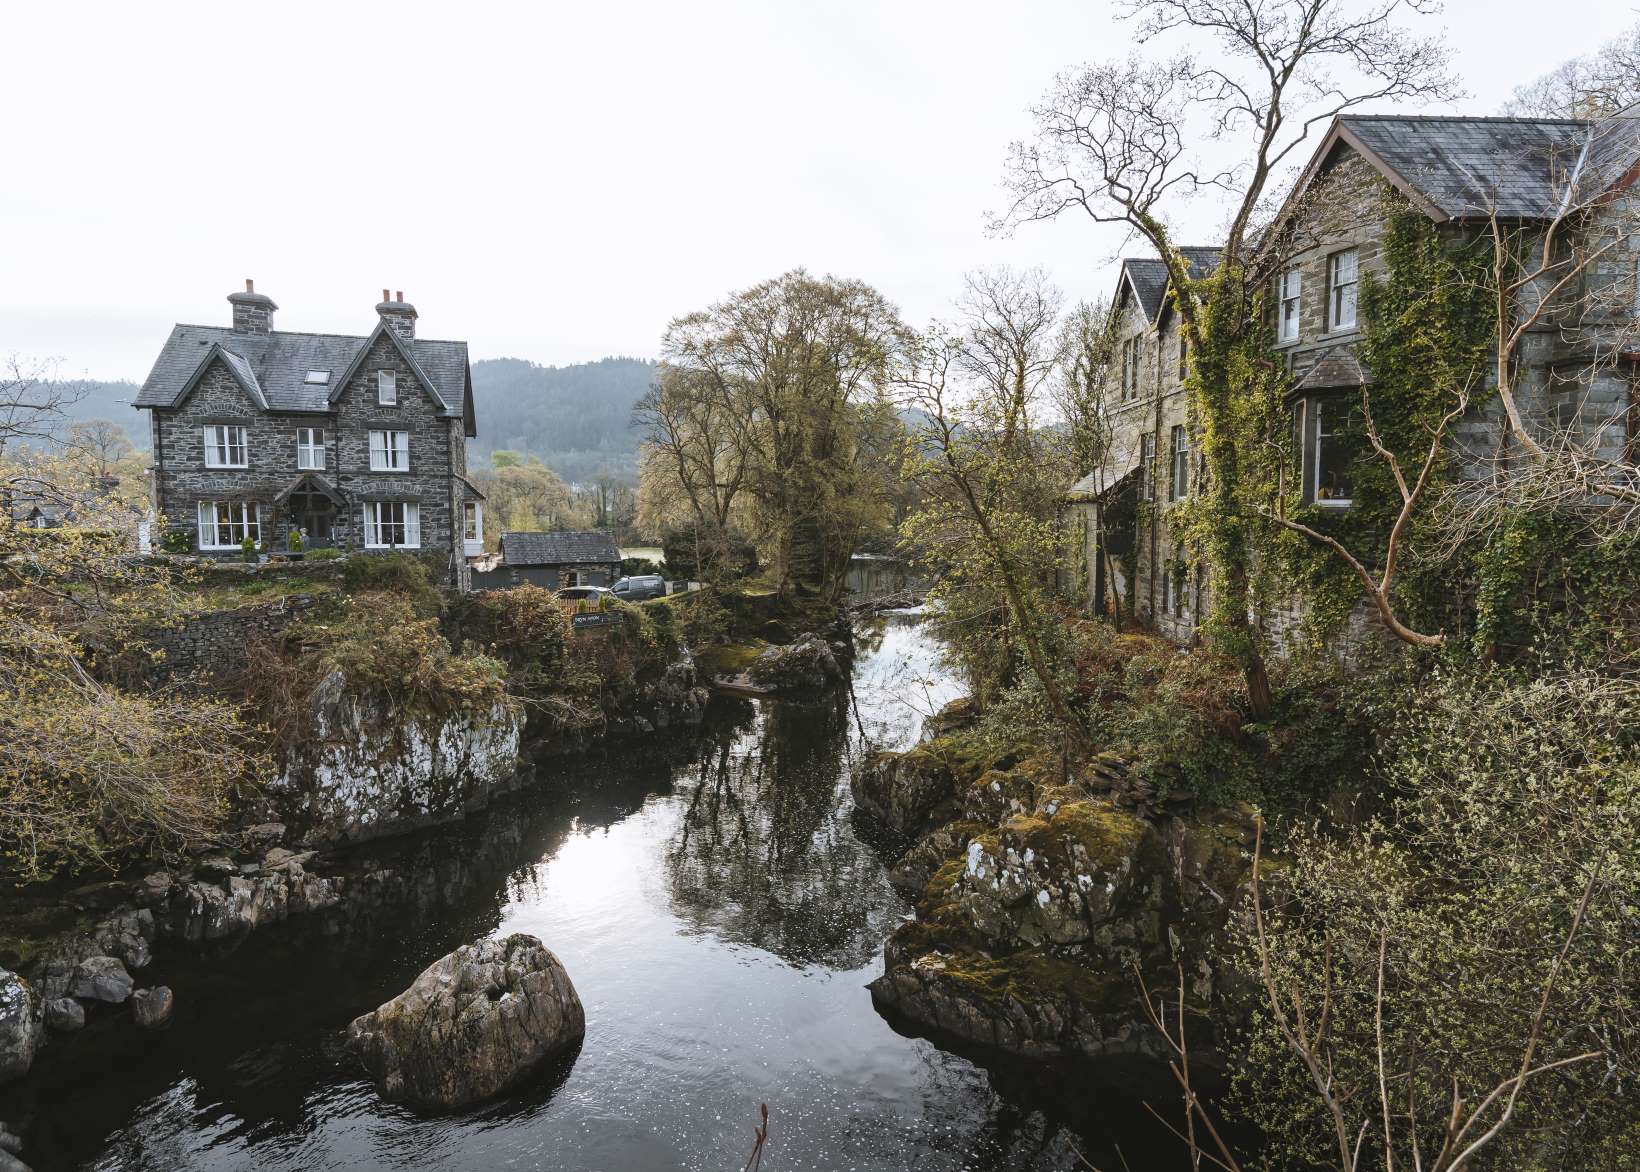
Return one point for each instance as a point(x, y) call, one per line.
point(722, 660)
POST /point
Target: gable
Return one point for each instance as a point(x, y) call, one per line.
point(357, 382)
point(221, 385)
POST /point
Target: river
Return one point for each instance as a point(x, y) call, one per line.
point(720, 911)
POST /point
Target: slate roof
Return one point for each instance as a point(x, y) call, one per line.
point(1463, 167)
point(1339, 366)
point(276, 366)
point(558, 549)
point(1149, 275)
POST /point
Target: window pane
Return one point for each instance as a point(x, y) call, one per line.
point(1340, 438)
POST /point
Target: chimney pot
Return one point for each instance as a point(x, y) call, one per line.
point(250, 285)
point(399, 295)
point(385, 297)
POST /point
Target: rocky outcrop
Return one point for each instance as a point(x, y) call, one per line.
point(368, 770)
point(906, 791)
point(21, 1025)
point(473, 1024)
point(1041, 894)
point(10, 1146)
point(676, 698)
point(810, 664)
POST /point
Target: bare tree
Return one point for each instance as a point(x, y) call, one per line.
point(1112, 143)
point(990, 485)
point(33, 405)
point(1595, 85)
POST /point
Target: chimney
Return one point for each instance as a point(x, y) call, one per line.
point(399, 314)
point(252, 311)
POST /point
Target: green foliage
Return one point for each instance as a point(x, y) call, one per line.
point(325, 554)
point(177, 541)
point(247, 550)
point(1509, 791)
point(383, 644)
point(394, 573)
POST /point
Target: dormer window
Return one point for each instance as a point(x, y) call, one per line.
point(1291, 288)
point(387, 389)
point(1343, 283)
point(317, 378)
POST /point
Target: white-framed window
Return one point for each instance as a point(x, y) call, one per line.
point(1147, 465)
point(1181, 464)
point(387, 388)
point(1343, 281)
point(1130, 367)
point(390, 451)
point(1339, 439)
point(1291, 294)
point(392, 525)
point(472, 521)
point(226, 524)
point(310, 448)
point(225, 446)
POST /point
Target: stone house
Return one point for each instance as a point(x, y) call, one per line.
point(1573, 378)
point(357, 441)
point(557, 560)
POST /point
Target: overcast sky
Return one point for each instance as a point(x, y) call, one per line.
point(547, 181)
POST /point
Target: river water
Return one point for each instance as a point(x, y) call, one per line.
point(720, 910)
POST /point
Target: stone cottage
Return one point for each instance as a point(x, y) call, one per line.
point(586, 557)
point(357, 441)
point(1323, 244)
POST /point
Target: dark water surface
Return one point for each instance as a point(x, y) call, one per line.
point(720, 912)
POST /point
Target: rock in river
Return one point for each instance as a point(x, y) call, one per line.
point(20, 1026)
point(101, 978)
point(473, 1024)
point(152, 1007)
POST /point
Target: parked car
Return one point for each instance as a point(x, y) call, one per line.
point(578, 593)
point(639, 587)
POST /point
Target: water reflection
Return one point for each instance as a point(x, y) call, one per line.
point(765, 856)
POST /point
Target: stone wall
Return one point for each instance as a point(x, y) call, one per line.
point(214, 642)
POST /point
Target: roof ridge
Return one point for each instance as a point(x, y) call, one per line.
point(1464, 118)
point(305, 334)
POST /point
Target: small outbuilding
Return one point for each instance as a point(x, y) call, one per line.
point(587, 557)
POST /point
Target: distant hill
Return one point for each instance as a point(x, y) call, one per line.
point(577, 419)
point(101, 400)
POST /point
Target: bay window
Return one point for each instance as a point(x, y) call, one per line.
point(1332, 437)
point(226, 524)
point(390, 451)
point(225, 446)
point(472, 522)
point(392, 525)
point(310, 448)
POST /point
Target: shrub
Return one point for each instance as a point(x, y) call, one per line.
point(95, 775)
point(177, 541)
point(325, 554)
point(383, 644)
point(394, 573)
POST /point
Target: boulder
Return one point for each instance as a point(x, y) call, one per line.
point(473, 1024)
point(807, 665)
point(10, 1146)
point(21, 1028)
point(101, 978)
point(151, 1008)
point(65, 1014)
point(957, 715)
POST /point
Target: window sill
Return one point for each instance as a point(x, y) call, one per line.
point(377, 468)
point(1335, 504)
point(389, 548)
point(227, 467)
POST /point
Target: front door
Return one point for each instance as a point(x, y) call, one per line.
point(317, 522)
